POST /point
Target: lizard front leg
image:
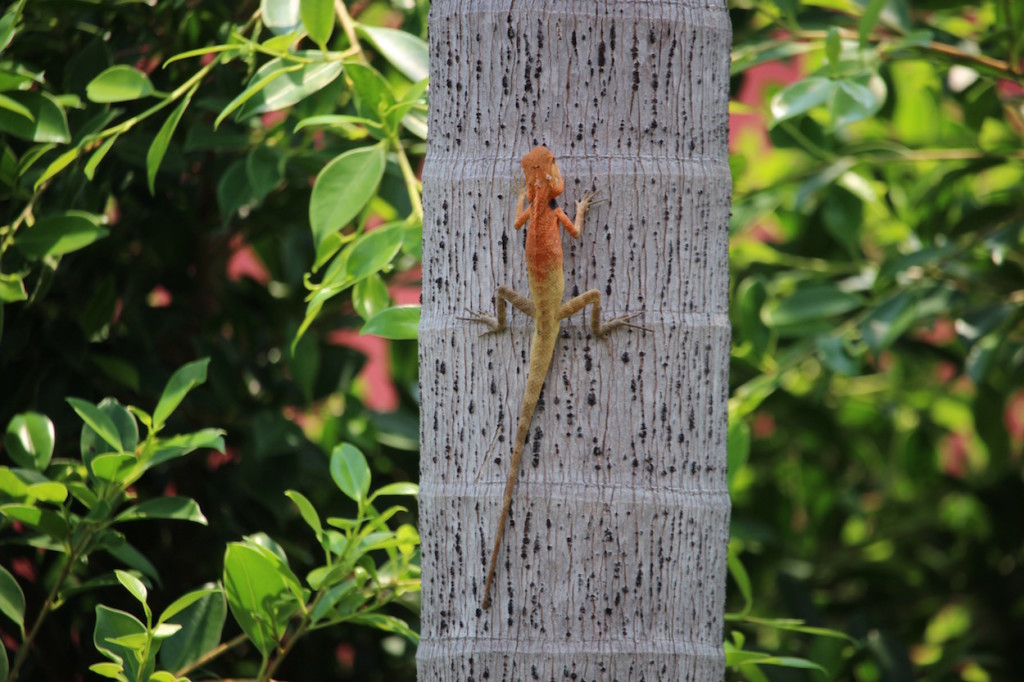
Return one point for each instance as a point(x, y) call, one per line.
point(497, 322)
point(576, 227)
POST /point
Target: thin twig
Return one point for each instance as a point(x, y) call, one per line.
point(212, 654)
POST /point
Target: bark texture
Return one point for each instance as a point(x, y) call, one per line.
point(614, 564)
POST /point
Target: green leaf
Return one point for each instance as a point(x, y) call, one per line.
point(136, 642)
point(797, 625)
point(318, 20)
point(887, 322)
point(83, 493)
point(12, 288)
point(179, 446)
point(833, 46)
point(400, 488)
point(738, 448)
point(158, 148)
point(842, 213)
point(338, 121)
point(48, 122)
point(801, 97)
point(322, 576)
point(742, 579)
point(788, 662)
point(29, 440)
point(119, 83)
point(307, 511)
point(350, 471)
point(57, 165)
point(265, 543)
point(370, 296)
point(333, 595)
point(114, 467)
point(91, 444)
point(869, 19)
point(374, 251)
point(112, 628)
point(164, 630)
point(748, 55)
point(279, 84)
point(260, 80)
point(201, 615)
point(809, 304)
point(854, 101)
point(234, 190)
point(132, 584)
point(280, 16)
point(258, 595)
point(12, 485)
point(406, 52)
point(5, 665)
point(386, 623)
point(50, 492)
point(12, 599)
point(97, 156)
point(836, 356)
point(58, 234)
point(180, 508)
point(264, 170)
point(343, 188)
point(412, 243)
point(374, 97)
point(9, 24)
point(43, 520)
point(181, 382)
point(304, 365)
point(112, 671)
point(400, 322)
point(416, 123)
point(98, 421)
point(750, 298)
point(283, 42)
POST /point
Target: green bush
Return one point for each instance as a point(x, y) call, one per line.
point(146, 151)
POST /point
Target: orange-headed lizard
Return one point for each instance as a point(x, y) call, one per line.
point(547, 284)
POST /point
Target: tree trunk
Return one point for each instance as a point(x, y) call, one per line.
point(614, 563)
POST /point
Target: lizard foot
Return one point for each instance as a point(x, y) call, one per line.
point(589, 198)
point(480, 316)
point(621, 321)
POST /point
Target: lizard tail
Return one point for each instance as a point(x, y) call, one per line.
point(541, 350)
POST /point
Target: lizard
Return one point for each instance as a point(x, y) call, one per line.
point(544, 267)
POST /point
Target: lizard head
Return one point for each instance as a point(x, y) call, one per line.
point(542, 173)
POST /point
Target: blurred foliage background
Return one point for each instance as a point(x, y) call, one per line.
point(877, 414)
point(878, 365)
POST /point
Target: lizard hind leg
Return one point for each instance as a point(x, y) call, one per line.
point(599, 329)
point(497, 322)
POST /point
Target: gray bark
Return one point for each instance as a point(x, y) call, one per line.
point(614, 564)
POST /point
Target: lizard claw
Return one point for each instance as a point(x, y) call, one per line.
point(480, 316)
point(589, 198)
point(521, 190)
point(622, 321)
